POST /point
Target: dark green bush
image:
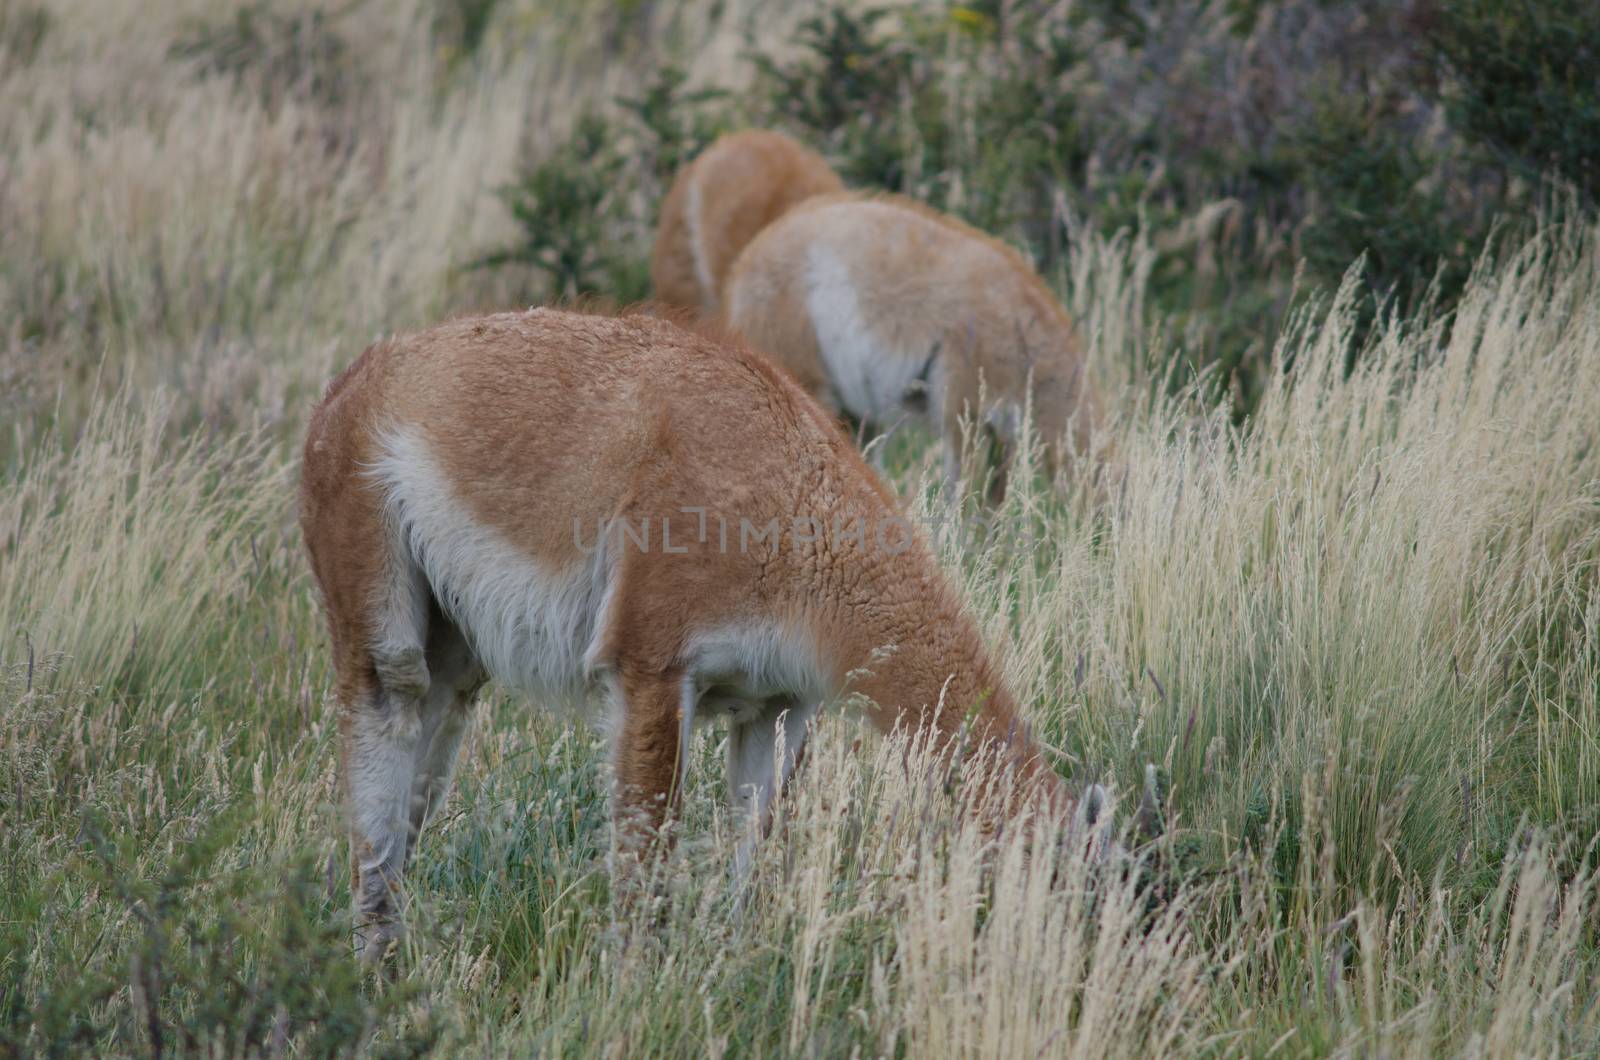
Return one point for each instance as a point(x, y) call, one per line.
point(674, 122)
point(587, 212)
point(843, 92)
point(565, 208)
point(1525, 82)
point(1373, 194)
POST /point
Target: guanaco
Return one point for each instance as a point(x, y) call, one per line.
point(719, 201)
point(888, 312)
point(614, 509)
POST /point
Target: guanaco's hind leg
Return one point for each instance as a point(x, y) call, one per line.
point(456, 677)
point(380, 732)
point(399, 742)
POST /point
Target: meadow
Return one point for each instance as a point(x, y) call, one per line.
point(1339, 630)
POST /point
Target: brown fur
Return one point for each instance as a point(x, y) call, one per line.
point(742, 182)
point(538, 419)
point(926, 285)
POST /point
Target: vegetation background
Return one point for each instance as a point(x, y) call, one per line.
point(1337, 267)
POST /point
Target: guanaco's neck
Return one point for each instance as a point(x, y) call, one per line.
point(920, 659)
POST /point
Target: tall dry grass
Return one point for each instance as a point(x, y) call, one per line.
point(1354, 642)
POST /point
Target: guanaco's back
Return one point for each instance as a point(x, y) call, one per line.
point(718, 202)
point(887, 310)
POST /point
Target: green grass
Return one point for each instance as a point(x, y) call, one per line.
point(1356, 636)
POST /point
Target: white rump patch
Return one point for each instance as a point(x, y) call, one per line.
point(530, 627)
point(870, 378)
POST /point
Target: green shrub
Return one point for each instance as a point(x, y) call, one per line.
point(844, 91)
point(1372, 194)
point(564, 207)
point(673, 122)
point(860, 87)
point(587, 212)
point(1525, 82)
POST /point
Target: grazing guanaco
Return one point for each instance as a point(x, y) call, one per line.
point(889, 311)
point(718, 202)
point(606, 508)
